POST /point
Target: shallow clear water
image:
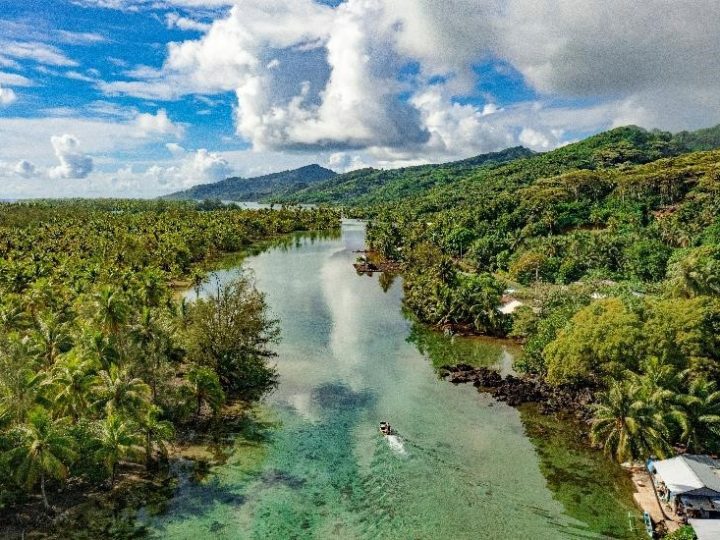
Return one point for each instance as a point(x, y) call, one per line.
point(462, 465)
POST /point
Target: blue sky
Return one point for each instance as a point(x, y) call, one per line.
point(143, 97)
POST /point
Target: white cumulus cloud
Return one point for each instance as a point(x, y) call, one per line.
point(157, 124)
point(199, 167)
point(73, 163)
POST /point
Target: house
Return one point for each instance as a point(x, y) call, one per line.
point(689, 485)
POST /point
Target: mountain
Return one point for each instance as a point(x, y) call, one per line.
point(259, 188)
point(615, 149)
point(445, 185)
point(371, 186)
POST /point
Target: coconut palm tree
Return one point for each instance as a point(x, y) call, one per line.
point(99, 346)
point(111, 309)
point(51, 337)
point(44, 451)
point(20, 382)
point(71, 382)
point(627, 424)
point(699, 416)
point(158, 433)
point(206, 388)
point(117, 390)
point(118, 439)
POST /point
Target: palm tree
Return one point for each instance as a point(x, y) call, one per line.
point(111, 309)
point(71, 381)
point(157, 433)
point(100, 347)
point(627, 424)
point(51, 337)
point(152, 340)
point(152, 287)
point(118, 439)
point(44, 451)
point(659, 382)
point(20, 382)
point(117, 390)
point(699, 416)
point(206, 388)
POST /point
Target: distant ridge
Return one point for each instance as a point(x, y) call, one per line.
point(371, 186)
point(255, 189)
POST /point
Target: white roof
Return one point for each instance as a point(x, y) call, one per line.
point(706, 529)
point(690, 474)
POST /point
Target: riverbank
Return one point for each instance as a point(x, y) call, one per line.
point(200, 444)
point(646, 498)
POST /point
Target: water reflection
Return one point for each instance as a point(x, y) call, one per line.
point(443, 349)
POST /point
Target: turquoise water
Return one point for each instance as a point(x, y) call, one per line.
point(314, 465)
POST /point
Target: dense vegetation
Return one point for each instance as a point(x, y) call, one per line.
point(256, 189)
point(613, 246)
point(101, 363)
point(373, 186)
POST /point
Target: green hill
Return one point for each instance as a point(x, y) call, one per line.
point(259, 188)
point(373, 186)
point(702, 139)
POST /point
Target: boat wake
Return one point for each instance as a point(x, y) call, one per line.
point(396, 445)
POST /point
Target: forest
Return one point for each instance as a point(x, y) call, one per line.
point(102, 361)
point(611, 248)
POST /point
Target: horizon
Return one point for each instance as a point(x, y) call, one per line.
point(138, 99)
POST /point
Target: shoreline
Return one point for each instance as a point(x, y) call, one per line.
point(202, 441)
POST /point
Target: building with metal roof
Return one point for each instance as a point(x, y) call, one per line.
point(690, 475)
point(690, 486)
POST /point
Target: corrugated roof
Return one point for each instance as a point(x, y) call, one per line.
point(690, 474)
point(706, 529)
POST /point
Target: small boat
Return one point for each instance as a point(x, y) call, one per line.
point(386, 428)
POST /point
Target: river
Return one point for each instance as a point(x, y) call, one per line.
point(313, 464)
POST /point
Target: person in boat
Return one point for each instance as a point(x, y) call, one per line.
point(385, 428)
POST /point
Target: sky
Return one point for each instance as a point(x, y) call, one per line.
point(137, 98)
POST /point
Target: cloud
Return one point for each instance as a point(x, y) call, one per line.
point(311, 77)
point(80, 38)
point(158, 124)
point(73, 163)
point(37, 52)
point(174, 20)
point(382, 82)
point(138, 5)
point(104, 128)
point(459, 129)
point(535, 139)
point(25, 169)
point(7, 96)
point(8, 63)
point(206, 167)
point(13, 79)
point(199, 167)
point(175, 149)
point(657, 55)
